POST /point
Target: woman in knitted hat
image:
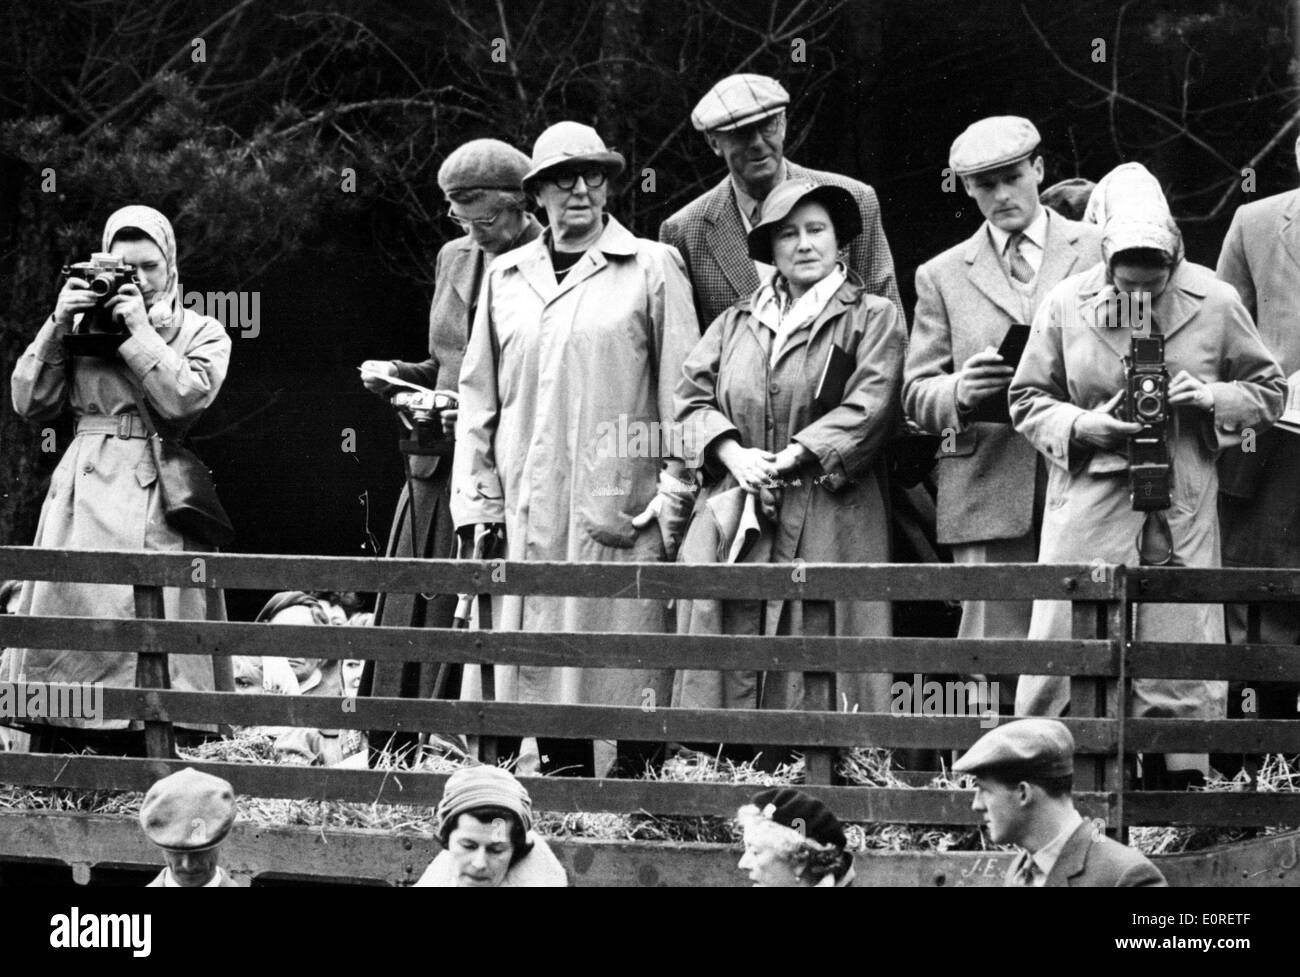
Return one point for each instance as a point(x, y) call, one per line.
point(482, 183)
point(785, 405)
point(485, 826)
point(1212, 382)
point(104, 493)
point(793, 840)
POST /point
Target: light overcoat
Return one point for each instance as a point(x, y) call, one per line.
point(553, 377)
point(104, 495)
point(1073, 363)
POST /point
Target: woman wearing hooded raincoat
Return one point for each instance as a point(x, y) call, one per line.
point(104, 493)
point(578, 340)
point(1223, 381)
point(795, 388)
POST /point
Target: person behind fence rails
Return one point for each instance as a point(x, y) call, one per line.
point(188, 815)
point(989, 478)
point(300, 675)
point(1258, 512)
point(1064, 397)
point(784, 405)
point(793, 840)
point(579, 336)
point(1024, 775)
point(743, 119)
point(104, 494)
point(485, 827)
point(482, 183)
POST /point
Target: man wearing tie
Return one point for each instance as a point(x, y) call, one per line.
point(990, 480)
point(1024, 774)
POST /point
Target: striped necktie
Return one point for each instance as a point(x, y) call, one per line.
point(1021, 270)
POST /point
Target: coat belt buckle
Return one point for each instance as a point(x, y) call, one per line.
point(124, 426)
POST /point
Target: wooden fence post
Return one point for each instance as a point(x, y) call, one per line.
point(151, 673)
point(1117, 699)
point(1088, 693)
point(819, 692)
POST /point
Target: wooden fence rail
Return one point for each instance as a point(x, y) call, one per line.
point(1100, 658)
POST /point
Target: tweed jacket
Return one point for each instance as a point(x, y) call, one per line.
point(1090, 859)
point(711, 238)
point(965, 302)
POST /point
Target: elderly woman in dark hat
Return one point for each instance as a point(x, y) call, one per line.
point(566, 398)
point(485, 826)
point(482, 182)
point(784, 406)
point(793, 840)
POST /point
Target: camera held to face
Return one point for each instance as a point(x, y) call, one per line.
point(98, 333)
point(425, 408)
point(1146, 402)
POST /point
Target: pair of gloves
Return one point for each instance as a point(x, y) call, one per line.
point(671, 508)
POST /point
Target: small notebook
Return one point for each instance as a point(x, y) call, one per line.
point(995, 409)
point(835, 377)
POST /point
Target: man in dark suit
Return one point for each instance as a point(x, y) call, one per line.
point(1259, 518)
point(1024, 774)
point(990, 479)
point(743, 119)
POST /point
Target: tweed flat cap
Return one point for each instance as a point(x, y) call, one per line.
point(989, 143)
point(188, 810)
point(1043, 747)
point(483, 164)
point(839, 203)
point(483, 786)
point(571, 142)
point(739, 100)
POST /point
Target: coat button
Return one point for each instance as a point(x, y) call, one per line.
point(87, 468)
point(775, 388)
point(93, 409)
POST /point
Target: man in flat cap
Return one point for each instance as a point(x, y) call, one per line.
point(990, 479)
point(1024, 774)
point(188, 815)
point(743, 118)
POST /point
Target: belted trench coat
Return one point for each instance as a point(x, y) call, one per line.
point(1074, 363)
point(565, 390)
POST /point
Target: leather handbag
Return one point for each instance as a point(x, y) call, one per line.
point(185, 487)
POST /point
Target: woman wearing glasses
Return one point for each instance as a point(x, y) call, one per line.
point(565, 392)
point(481, 181)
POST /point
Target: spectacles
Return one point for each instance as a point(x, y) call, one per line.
point(466, 223)
point(568, 179)
point(765, 127)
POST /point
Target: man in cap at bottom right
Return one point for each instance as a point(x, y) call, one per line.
point(1024, 777)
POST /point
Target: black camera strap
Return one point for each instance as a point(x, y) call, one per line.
point(1155, 540)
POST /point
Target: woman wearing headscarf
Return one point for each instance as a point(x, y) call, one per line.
point(785, 404)
point(104, 493)
point(566, 391)
point(482, 184)
point(1066, 397)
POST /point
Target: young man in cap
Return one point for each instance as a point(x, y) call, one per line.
point(990, 479)
point(1258, 515)
point(743, 118)
point(188, 816)
point(1024, 774)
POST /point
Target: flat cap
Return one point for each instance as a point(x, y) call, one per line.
point(1042, 747)
point(188, 810)
point(739, 100)
point(483, 786)
point(999, 140)
point(483, 164)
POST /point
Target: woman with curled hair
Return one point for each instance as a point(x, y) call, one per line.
point(104, 494)
point(793, 840)
point(485, 820)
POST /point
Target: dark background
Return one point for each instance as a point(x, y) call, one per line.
point(246, 147)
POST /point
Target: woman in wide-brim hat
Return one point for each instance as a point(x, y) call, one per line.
point(785, 405)
point(482, 182)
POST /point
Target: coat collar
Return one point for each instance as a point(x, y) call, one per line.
point(1289, 231)
point(1179, 302)
point(534, 260)
point(846, 296)
point(1074, 856)
point(466, 285)
point(986, 272)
